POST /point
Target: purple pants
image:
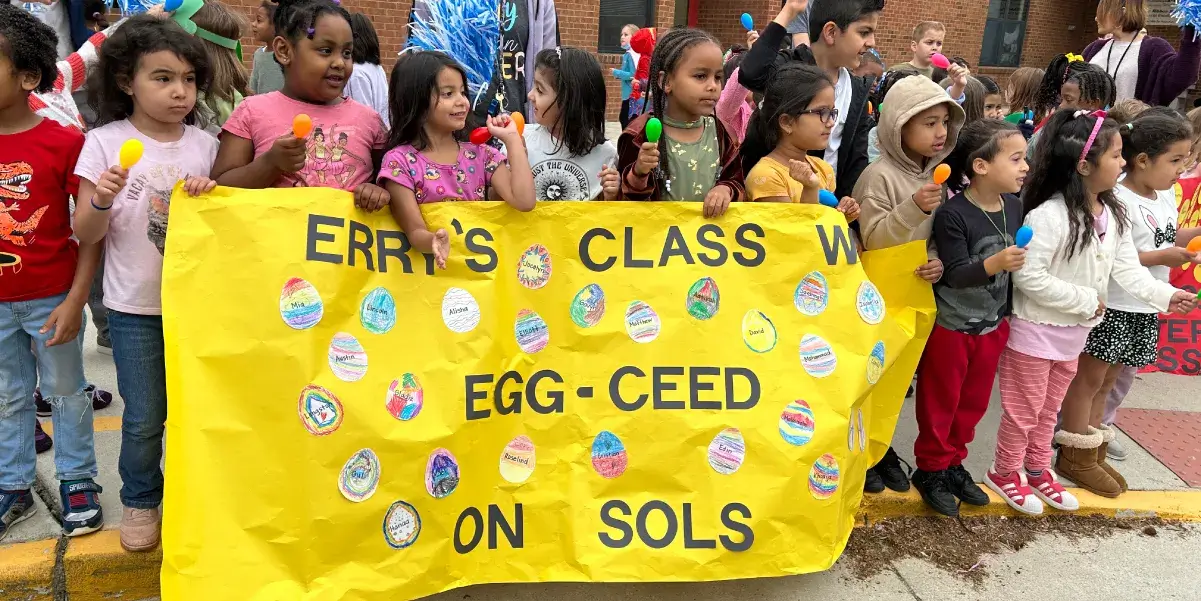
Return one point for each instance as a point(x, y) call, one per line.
point(1121, 387)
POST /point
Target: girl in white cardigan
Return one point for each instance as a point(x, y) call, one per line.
point(1081, 239)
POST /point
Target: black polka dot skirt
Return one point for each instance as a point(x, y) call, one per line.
point(1127, 338)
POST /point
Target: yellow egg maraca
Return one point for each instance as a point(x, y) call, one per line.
point(131, 153)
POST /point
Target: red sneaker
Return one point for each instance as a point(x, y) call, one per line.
point(1014, 489)
point(1048, 488)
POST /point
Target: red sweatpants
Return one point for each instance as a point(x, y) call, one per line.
point(954, 384)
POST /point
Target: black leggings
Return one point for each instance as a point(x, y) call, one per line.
point(624, 116)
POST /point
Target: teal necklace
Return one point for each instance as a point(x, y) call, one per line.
point(1004, 229)
point(668, 121)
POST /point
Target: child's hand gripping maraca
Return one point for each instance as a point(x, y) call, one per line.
point(648, 154)
point(1010, 258)
point(287, 153)
point(113, 181)
point(929, 197)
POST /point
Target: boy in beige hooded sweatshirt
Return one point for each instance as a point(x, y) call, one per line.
point(919, 124)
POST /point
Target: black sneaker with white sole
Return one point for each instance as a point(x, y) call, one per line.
point(964, 486)
point(894, 476)
point(935, 488)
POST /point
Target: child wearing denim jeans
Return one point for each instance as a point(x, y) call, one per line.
point(47, 278)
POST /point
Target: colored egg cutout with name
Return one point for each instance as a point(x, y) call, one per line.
point(360, 476)
point(869, 303)
point(875, 363)
point(402, 525)
point(642, 323)
point(588, 306)
point(609, 457)
point(517, 460)
point(812, 294)
point(534, 267)
point(320, 411)
point(758, 332)
point(460, 312)
point(704, 299)
point(441, 474)
point(796, 423)
point(531, 331)
point(347, 358)
point(300, 304)
point(405, 397)
point(817, 356)
point(377, 313)
point(727, 451)
point(823, 478)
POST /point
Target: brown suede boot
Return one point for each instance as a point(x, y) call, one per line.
point(1078, 462)
point(1108, 435)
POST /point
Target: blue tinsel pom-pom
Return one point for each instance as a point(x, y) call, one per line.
point(467, 30)
point(133, 7)
point(1188, 12)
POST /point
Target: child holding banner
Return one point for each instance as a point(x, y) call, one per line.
point(919, 125)
point(702, 159)
point(974, 233)
point(1156, 147)
point(144, 90)
point(261, 146)
point(47, 277)
point(1081, 238)
point(428, 161)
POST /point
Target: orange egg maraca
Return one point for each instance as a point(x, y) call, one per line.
point(518, 122)
point(941, 173)
point(302, 124)
point(1194, 245)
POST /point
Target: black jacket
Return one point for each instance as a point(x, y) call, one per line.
point(759, 67)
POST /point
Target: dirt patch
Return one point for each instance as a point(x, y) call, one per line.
point(958, 546)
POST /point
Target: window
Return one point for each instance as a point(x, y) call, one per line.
point(1004, 33)
point(615, 14)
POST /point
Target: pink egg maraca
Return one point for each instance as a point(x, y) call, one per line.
point(940, 61)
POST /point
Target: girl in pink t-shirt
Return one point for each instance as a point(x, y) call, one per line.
point(145, 89)
point(429, 160)
point(259, 148)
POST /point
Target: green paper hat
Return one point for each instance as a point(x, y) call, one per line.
point(183, 15)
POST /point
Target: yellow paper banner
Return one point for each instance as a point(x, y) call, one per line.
point(590, 392)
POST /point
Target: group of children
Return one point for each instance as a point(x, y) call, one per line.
point(791, 123)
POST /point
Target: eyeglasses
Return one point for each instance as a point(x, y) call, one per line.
point(827, 115)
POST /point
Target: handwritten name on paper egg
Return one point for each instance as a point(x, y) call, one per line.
point(377, 313)
point(320, 411)
point(704, 299)
point(531, 331)
point(812, 294)
point(875, 363)
point(360, 476)
point(402, 525)
point(460, 311)
point(758, 332)
point(300, 305)
point(817, 356)
point(405, 397)
point(727, 451)
point(796, 423)
point(441, 474)
point(534, 267)
point(823, 478)
point(588, 306)
point(347, 358)
point(642, 323)
point(517, 460)
point(609, 457)
point(870, 303)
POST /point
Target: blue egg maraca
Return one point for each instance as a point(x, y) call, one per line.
point(172, 5)
point(827, 198)
point(747, 21)
point(1022, 239)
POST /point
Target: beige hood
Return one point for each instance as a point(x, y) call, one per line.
point(906, 100)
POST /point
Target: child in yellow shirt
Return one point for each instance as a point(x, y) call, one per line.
point(796, 118)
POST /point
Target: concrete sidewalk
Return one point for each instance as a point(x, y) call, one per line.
point(34, 563)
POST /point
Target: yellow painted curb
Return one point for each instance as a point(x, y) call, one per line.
point(102, 423)
point(1181, 505)
point(98, 569)
point(26, 570)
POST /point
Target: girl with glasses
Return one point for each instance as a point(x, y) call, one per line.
point(796, 119)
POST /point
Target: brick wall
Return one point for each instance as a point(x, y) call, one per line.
point(1053, 27)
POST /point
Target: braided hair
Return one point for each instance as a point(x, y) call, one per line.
point(1096, 86)
point(296, 18)
point(669, 51)
point(1058, 72)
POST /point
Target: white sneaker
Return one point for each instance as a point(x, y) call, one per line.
point(1116, 451)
